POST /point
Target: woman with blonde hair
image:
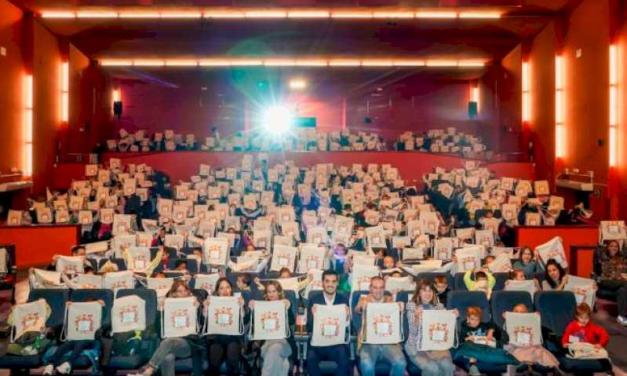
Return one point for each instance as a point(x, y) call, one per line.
point(276, 353)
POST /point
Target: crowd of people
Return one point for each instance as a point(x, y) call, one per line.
point(297, 139)
point(331, 251)
point(442, 141)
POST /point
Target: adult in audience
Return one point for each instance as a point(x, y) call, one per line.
point(338, 353)
point(171, 349)
point(610, 269)
point(370, 354)
point(555, 278)
point(431, 363)
point(225, 347)
point(276, 353)
point(527, 263)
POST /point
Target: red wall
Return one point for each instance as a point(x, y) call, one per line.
point(571, 236)
point(13, 70)
point(177, 101)
point(46, 101)
point(586, 32)
point(417, 103)
point(31, 251)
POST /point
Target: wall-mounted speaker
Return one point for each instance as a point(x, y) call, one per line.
point(117, 109)
point(472, 110)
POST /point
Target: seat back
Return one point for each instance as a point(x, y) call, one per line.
point(430, 276)
point(149, 296)
point(459, 282)
point(356, 317)
point(504, 301)
point(500, 281)
point(557, 309)
point(56, 299)
point(86, 295)
point(294, 301)
point(461, 300)
point(120, 263)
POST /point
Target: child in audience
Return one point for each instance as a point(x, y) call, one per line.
point(581, 329)
point(519, 275)
point(532, 354)
point(484, 281)
point(479, 344)
point(555, 278)
point(441, 288)
point(527, 263)
point(62, 364)
point(243, 282)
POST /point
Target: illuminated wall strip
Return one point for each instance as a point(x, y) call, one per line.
point(475, 95)
point(614, 106)
point(358, 13)
point(292, 62)
point(64, 84)
point(526, 92)
point(27, 126)
point(116, 96)
point(560, 111)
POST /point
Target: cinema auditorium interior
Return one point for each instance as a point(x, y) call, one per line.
point(313, 187)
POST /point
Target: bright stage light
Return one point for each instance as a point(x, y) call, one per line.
point(277, 120)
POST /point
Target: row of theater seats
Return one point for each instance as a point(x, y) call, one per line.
point(555, 307)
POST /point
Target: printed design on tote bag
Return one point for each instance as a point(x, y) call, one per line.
point(180, 318)
point(84, 323)
point(30, 320)
point(330, 327)
point(523, 335)
point(224, 316)
point(270, 321)
point(438, 332)
point(129, 314)
point(383, 325)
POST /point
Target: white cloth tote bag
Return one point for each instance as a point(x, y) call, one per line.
point(128, 313)
point(82, 320)
point(382, 324)
point(179, 317)
point(330, 325)
point(523, 329)
point(583, 288)
point(438, 330)
point(28, 317)
point(269, 320)
point(224, 316)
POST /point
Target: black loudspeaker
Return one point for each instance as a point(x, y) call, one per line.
point(117, 109)
point(472, 110)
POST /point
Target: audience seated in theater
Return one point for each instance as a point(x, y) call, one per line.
point(610, 270)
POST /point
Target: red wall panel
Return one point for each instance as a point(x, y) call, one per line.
point(13, 70)
point(571, 235)
point(35, 245)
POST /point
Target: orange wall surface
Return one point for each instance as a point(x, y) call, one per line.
point(46, 101)
point(12, 68)
point(35, 245)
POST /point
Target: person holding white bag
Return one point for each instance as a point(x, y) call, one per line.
point(172, 348)
point(431, 363)
point(226, 347)
point(276, 353)
point(63, 364)
point(339, 353)
point(369, 354)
